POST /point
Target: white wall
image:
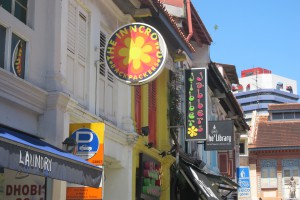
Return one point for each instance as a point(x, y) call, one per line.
point(267, 81)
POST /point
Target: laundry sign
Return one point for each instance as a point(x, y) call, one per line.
point(220, 135)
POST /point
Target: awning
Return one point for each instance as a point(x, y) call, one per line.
point(199, 182)
point(28, 154)
point(223, 182)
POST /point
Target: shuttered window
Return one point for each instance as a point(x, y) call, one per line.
point(105, 86)
point(77, 45)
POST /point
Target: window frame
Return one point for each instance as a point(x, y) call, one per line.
point(104, 75)
point(13, 9)
point(268, 181)
point(8, 52)
point(75, 52)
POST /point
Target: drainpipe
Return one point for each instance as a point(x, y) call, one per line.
point(189, 18)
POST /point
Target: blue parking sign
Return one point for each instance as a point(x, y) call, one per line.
point(243, 178)
point(87, 143)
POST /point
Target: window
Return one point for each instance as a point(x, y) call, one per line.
point(18, 8)
point(277, 116)
point(242, 148)
point(105, 86)
point(77, 45)
point(289, 115)
point(268, 173)
point(16, 51)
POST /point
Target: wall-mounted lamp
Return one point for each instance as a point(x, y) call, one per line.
point(149, 145)
point(145, 131)
point(163, 154)
point(70, 145)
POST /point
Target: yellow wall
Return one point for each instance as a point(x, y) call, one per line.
point(162, 134)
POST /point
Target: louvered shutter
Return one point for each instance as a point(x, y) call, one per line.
point(71, 35)
point(77, 33)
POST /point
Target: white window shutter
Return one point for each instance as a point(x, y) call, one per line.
point(77, 45)
point(71, 35)
point(82, 37)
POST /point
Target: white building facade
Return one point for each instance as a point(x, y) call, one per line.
point(259, 87)
point(52, 74)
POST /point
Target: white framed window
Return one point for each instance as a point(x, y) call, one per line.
point(77, 51)
point(18, 8)
point(243, 147)
point(12, 52)
point(105, 84)
point(268, 173)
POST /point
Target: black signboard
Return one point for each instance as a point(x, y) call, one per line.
point(196, 104)
point(220, 136)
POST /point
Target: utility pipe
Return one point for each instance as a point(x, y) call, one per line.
point(189, 18)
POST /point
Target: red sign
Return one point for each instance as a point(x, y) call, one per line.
point(136, 53)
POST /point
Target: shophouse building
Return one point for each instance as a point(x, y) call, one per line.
point(52, 75)
point(55, 76)
point(274, 153)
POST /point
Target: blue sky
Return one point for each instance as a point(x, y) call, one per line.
point(254, 33)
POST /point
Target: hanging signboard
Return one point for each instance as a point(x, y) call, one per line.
point(220, 136)
point(196, 104)
point(90, 146)
point(136, 53)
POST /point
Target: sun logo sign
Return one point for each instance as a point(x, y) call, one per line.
point(136, 53)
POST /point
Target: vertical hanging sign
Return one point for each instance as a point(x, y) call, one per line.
point(196, 104)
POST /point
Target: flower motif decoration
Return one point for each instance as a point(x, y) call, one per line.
point(135, 52)
point(192, 131)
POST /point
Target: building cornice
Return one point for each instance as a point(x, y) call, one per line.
point(22, 92)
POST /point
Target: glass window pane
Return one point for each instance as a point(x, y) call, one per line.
point(295, 172)
point(273, 173)
point(242, 148)
point(297, 115)
point(22, 2)
point(2, 45)
point(6, 4)
point(20, 12)
point(289, 115)
point(18, 51)
point(277, 116)
point(264, 173)
point(286, 173)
